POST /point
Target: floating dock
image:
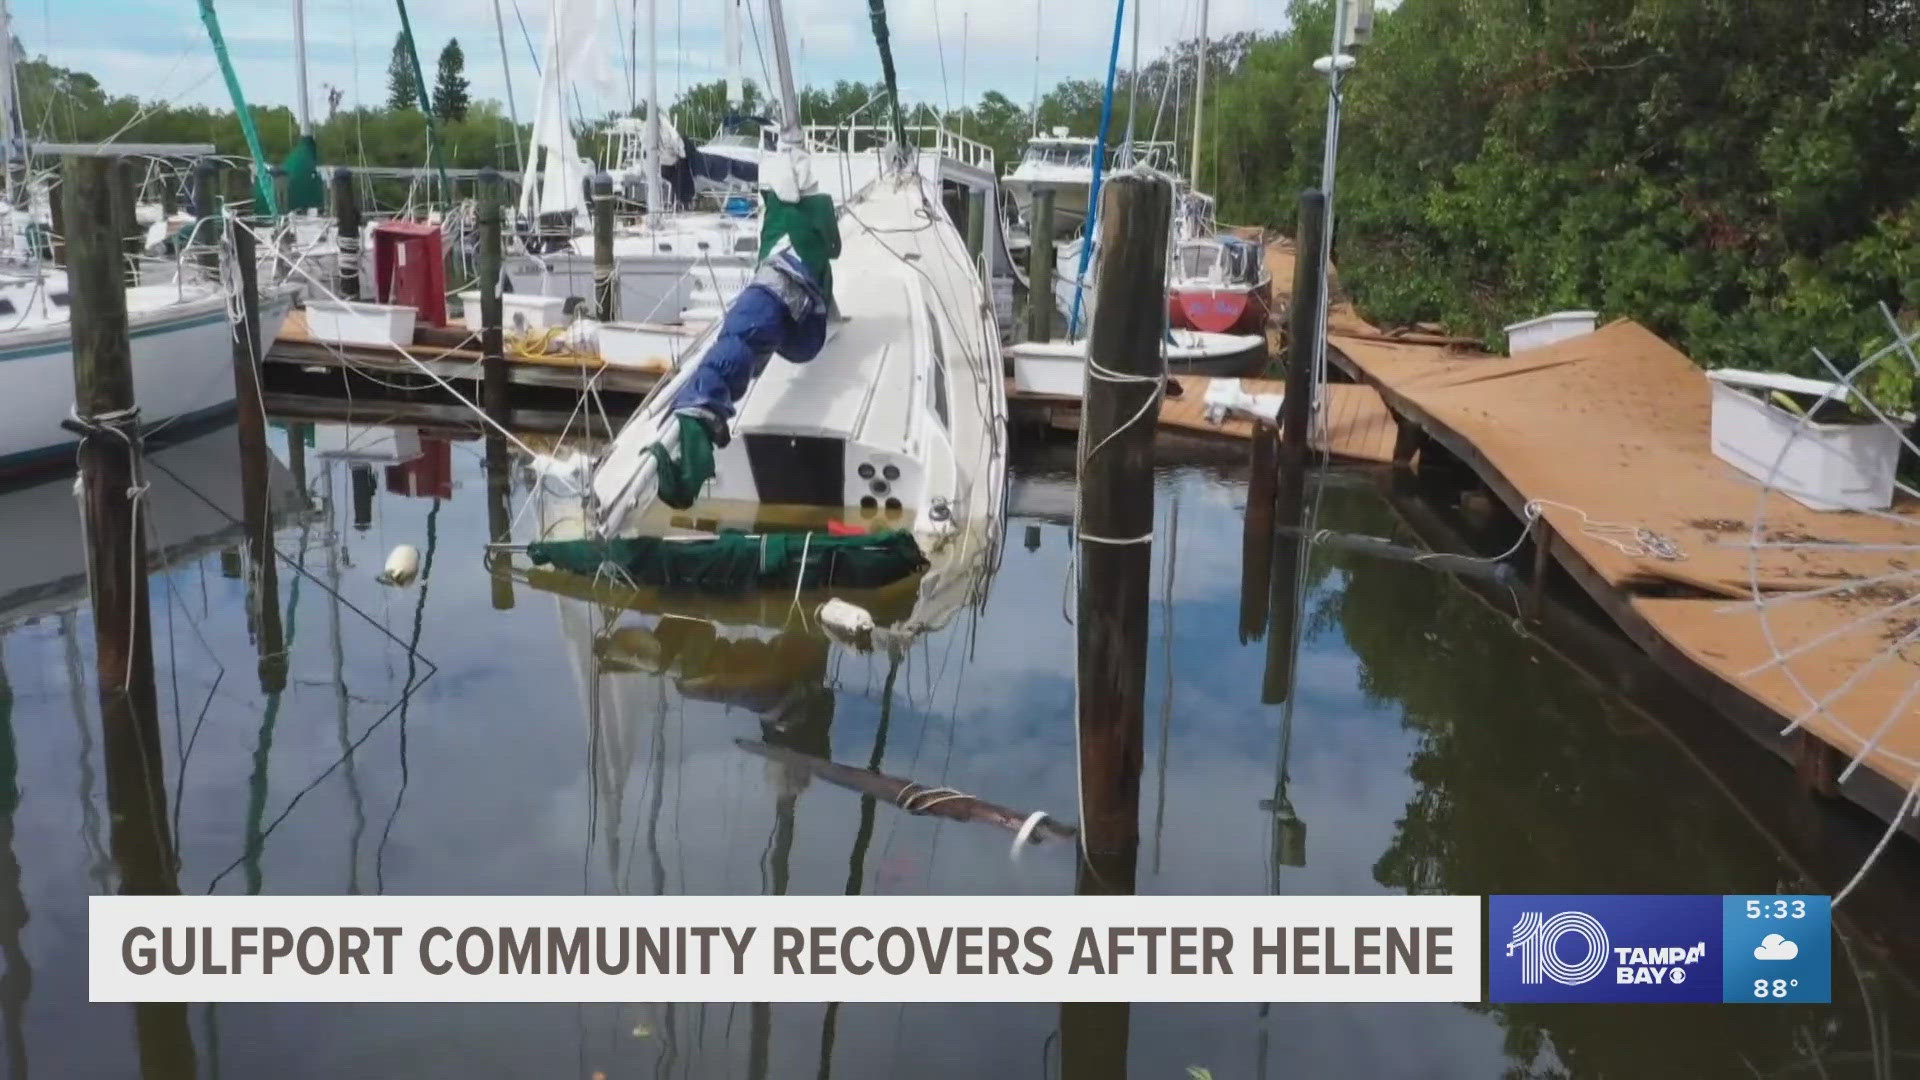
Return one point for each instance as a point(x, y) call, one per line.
point(1605, 437)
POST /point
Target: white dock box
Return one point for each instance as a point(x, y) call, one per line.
point(354, 322)
point(519, 312)
point(1824, 466)
point(1547, 329)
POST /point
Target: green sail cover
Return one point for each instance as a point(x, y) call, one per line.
point(737, 562)
point(305, 191)
point(813, 228)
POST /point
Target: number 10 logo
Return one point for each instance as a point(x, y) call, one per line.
point(1538, 941)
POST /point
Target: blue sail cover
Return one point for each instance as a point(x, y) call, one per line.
point(781, 310)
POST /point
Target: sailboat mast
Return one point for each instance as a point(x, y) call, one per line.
point(1037, 5)
point(1199, 97)
point(506, 70)
point(734, 97)
point(789, 101)
point(1133, 85)
point(303, 109)
point(15, 132)
point(656, 194)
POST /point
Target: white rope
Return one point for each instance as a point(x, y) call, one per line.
point(1893, 826)
point(1025, 836)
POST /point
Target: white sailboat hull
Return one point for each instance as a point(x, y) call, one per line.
point(182, 372)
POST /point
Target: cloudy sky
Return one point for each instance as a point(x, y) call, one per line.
point(158, 49)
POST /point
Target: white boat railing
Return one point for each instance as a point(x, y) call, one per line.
point(941, 140)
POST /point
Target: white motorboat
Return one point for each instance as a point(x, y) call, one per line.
point(182, 359)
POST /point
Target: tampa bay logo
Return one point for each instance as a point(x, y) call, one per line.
point(1537, 940)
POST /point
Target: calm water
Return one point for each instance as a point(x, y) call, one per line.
point(1433, 748)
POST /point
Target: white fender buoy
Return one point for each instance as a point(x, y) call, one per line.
point(850, 623)
point(402, 565)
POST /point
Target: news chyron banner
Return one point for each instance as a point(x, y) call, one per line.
point(786, 948)
point(1733, 949)
point(1654, 949)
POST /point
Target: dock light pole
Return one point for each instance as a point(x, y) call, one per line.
point(1352, 28)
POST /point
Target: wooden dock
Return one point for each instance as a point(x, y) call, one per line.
point(310, 378)
point(1606, 438)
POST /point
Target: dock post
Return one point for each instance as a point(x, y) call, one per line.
point(1256, 538)
point(1040, 267)
point(125, 224)
point(297, 456)
point(251, 429)
point(206, 206)
point(1115, 466)
point(1296, 420)
point(111, 485)
point(346, 227)
point(499, 518)
point(606, 293)
point(169, 192)
point(1303, 328)
point(976, 224)
point(496, 393)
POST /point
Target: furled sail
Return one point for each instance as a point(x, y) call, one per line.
point(555, 173)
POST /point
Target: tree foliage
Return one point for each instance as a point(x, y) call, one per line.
point(450, 97)
point(401, 91)
point(1741, 175)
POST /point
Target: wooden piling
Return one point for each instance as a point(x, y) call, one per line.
point(495, 390)
point(499, 518)
point(126, 225)
point(606, 296)
point(112, 486)
point(1040, 267)
point(251, 429)
point(1296, 417)
point(297, 456)
point(1256, 537)
point(169, 192)
point(206, 206)
point(1124, 376)
point(976, 223)
point(346, 222)
point(57, 218)
point(1303, 327)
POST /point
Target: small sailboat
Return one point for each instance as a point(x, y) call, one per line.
point(1217, 283)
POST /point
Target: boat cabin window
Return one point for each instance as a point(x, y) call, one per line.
point(1071, 155)
point(1198, 260)
point(59, 299)
point(938, 376)
point(6, 306)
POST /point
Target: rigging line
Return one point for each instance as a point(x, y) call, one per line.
point(532, 53)
point(378, 723)
point(413, 652)
point(263, 748)
point(288, 560)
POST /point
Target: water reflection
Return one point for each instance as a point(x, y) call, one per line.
point(571, 744)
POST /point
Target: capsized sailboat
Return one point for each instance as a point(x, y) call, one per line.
point(859, 374)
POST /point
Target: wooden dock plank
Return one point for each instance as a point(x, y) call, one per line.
point(1613, 427)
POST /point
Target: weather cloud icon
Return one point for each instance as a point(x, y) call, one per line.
point(1775, 947)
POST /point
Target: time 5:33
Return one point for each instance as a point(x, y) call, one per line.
point(1776, 909)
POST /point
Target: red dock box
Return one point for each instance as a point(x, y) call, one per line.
point(410, 269)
